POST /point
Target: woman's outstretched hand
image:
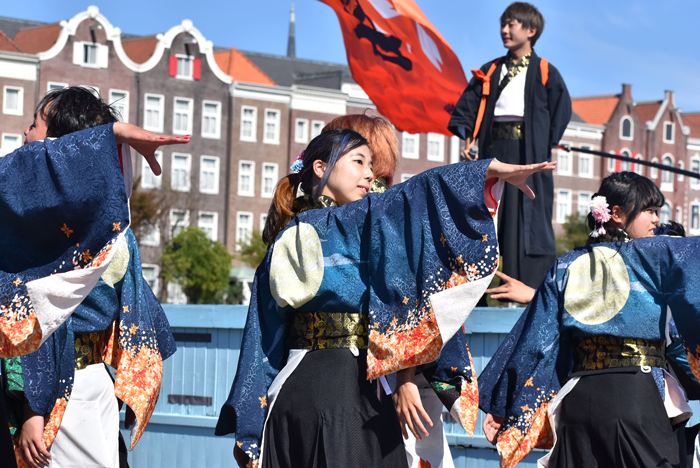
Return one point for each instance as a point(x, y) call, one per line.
point(492, 424)
point(511, 290)
point(517, 175)
point(145, 142)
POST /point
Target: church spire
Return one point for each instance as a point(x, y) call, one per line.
point(291, 42)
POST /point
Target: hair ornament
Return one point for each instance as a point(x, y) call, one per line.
point(601, 214)
point(298, 163)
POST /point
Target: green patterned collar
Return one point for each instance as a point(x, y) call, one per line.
point(306, 202)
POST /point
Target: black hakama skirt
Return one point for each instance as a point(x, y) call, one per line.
point(327, 415)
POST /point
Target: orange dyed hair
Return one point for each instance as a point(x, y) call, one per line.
point(381, 137)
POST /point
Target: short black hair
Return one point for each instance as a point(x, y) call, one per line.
point(72, 109)
point(672, 228)
point(528, 15)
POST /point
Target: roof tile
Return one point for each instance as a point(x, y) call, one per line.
point(692, 121)
point(140, 50)
point(38, 40)
point(8, 45)
point(647, 110)
point(595, 110)
point(240, 68)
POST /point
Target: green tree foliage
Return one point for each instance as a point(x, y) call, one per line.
point(147, 209)
point(576, 234)
point(252, 252)
point(201, 266)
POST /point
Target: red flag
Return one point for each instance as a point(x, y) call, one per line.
point(402, 62)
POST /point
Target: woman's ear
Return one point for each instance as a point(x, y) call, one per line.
point(319, 168)
point(618, 216)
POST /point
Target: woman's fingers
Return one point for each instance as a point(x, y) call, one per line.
point(419, 423)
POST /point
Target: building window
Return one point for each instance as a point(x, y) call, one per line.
point(148, 179)
point(681, 166)
point(263, 220)
point(405, 177)
point(625, 166)
point(209, 174)
point(679, 214)
point(669, 128)
point(272, 126)
point(563, 205)
point(244, 227)
point(626, 128)
point(564, 161)
point(665, 213)
point(10, 142)
point(638, 168)
point(612, 163)
point(150, 274)
point(695, 217)
point(301, 131)
point(585, 163)
point(211, 119)
point(13, 100)
point(246, 178)
point(209, 223)
point(153, 113)
point(151, 236)
point(90, 54)
point(654, 172)
point(179, 220)
point(248, 123)
point(436, 147)
point(119, 100)
point(667, 176)
point(52, 85)
point(182, 165)
point(316, 128)
point(269, 179)
point(695, 167)
point(184, 66)
point(584, 201)
point(409, 145)
point(182, 116)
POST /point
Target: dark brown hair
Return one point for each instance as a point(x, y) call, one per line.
point(381, 137)
point(526, 14)
point(328, 147)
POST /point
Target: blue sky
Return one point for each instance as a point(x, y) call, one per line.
point(597, 45)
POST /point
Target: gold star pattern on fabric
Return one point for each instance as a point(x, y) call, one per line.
point(17, 282)
point(117, 226)
point(484, 238)
point(239, 444)
point(529, 382)
point(134, 328)
point(405, 300)
point(460, 261)
point(442, 239)
point(394, 322)
point(125, 308)
point(86, 255)
point(263, 401)
point(66, 230)
point(525, 408)
point(454, 369)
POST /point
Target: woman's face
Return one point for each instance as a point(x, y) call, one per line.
point(351, 177)
point(643, 225)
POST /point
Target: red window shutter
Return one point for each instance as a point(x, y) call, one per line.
point(197, 69)
point(173, 66)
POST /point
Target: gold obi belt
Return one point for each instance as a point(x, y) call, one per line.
point(609, 352)
point(325, 330)
point(509, 130)
point(88, 349)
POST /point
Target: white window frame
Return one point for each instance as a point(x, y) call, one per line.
point(277, 121)
point(251, 192)
point(569, 157)
point(693, 230)
point(416, 141)
point(190, 58)
point(217, 132)
point(316, 123)
point(561, 217)
point(51, 85)
point(20, 100)
point(215, 190)
point(101, 54)
point(254, 126)
point(653, 171)
point(3, 149)
point(638, 168)
point(156, 286)
point(185, 221)
point(679, 214)
point(275, 178)
point(622, 136)
point(589, 158)
point(695, 183)
point(125, 103)
point(304, 137)
point(188, 184)
point(190, 115)
point(215, 223)
point(586, 207)
point(667, 186)
point(440, 140)
point(239, 238)
point(146, 169)
point(681, 165)
point(612, 163)
point(670, 212)
point(405, 177)
point(624, 165)
point(160, 109)
point(263, 220)
point(155, 233)
point(673, 132)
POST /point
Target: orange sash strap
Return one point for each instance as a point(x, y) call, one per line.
point(485, 91)
point(544, 71)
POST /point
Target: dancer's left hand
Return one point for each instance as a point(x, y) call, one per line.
point(408, 404)
point(145, 142)
point(516, 174)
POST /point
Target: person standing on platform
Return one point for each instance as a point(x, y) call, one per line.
point(518, 107)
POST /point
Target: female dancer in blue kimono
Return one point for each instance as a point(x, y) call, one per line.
point(584, 367)
point(353, 287)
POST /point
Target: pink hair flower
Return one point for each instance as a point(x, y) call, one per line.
point(601, 214)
